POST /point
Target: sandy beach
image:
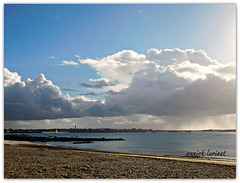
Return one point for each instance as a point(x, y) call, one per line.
point(25, 160)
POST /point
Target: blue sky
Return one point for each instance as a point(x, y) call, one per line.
point(159, 66)
point(34, 33)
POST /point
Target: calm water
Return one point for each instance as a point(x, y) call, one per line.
point(160, 143)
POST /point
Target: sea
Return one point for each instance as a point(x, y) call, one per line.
point(213, 145)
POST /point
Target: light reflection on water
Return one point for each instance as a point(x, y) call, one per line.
point(159, 143)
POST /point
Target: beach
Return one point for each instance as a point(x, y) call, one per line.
point(25, 160)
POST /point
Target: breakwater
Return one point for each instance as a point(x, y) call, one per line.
point(51, 139)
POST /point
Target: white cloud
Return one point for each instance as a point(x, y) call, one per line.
point(51, 57)
point(11, 78)
point(66, 120)
point(99, 83)
point(169, 82)
point(119, 67)
point(166, 87)
point(47, 121)
point(141, 11)
point(71, 63)
point(170, 56)
point(122, 66)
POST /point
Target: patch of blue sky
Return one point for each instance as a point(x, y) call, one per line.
point(33, 33)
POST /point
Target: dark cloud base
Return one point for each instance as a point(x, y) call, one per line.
point(179, 84)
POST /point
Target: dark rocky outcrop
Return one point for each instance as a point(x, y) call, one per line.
point(62, 139)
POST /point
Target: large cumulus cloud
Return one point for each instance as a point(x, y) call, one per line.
point(10, 78)
point(167, 94)
point(169, 84)
point(39, 99)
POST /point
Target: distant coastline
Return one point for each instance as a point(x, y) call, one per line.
point(105, 130)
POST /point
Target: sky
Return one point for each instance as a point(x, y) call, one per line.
point(160, 66)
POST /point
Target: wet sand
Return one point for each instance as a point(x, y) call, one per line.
point(25, 160)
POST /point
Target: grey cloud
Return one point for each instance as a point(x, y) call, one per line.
point(172, 85)
point(131, 121)
point(105, 110)
point(228, 69)
point(165, 94)
point(39, 99)
point(98, 84)
point(210, 97)
point(90, 93)
point(111, 92)
point(67, 89)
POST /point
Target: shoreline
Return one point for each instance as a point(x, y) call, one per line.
point(27, 160)
point(230, 162)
